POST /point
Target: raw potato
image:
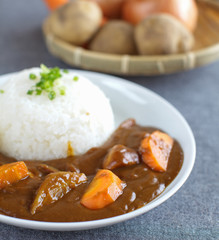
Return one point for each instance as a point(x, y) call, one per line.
point(115, 37)
point(162, 34)
point(76, 22)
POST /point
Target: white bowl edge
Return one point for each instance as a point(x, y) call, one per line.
point(101, 80)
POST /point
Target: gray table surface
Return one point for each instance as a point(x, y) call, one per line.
point(193, 212)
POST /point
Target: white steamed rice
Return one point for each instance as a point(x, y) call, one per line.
point(34, 127)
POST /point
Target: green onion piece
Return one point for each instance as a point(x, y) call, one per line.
point(2, 91)
point(44, 68)
point(52, 95)
point(47, 82)
point(38, 91)
point(75, 78)
point(65, 71)
point(30, 92)
point(62, 91)
point(32, 76)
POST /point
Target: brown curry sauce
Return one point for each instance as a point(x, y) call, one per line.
point(143, 184)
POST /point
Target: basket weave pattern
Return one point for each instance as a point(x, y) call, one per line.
point(206, 50)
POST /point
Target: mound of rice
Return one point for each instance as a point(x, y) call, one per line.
point(37, 128)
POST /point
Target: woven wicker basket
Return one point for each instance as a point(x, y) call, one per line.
point(206, 50)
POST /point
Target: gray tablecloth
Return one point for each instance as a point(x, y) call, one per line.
point(193, 212)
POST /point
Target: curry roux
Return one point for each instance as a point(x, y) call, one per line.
point(143, 184)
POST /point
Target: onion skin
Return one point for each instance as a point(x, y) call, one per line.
point(134, 11)
point(186, 11)
point(110, 8)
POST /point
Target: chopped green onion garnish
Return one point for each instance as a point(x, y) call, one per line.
point(51, 95)
point(32, 76)
point(65, 71)
point(2, 91)
point(62, 90)
point(30, 92)
point(38, 91)
point(48, 76)
point(75, 78)
point(44, 68)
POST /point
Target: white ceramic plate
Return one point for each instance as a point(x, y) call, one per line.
point(130, 100)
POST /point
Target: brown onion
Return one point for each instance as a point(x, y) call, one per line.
point(185, 11)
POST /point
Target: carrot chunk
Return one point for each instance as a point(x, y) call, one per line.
point(53, 4)
point(155, 150)
point(104, 189)
point(12, 173)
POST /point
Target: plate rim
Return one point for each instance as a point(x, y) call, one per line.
point(86, 225)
